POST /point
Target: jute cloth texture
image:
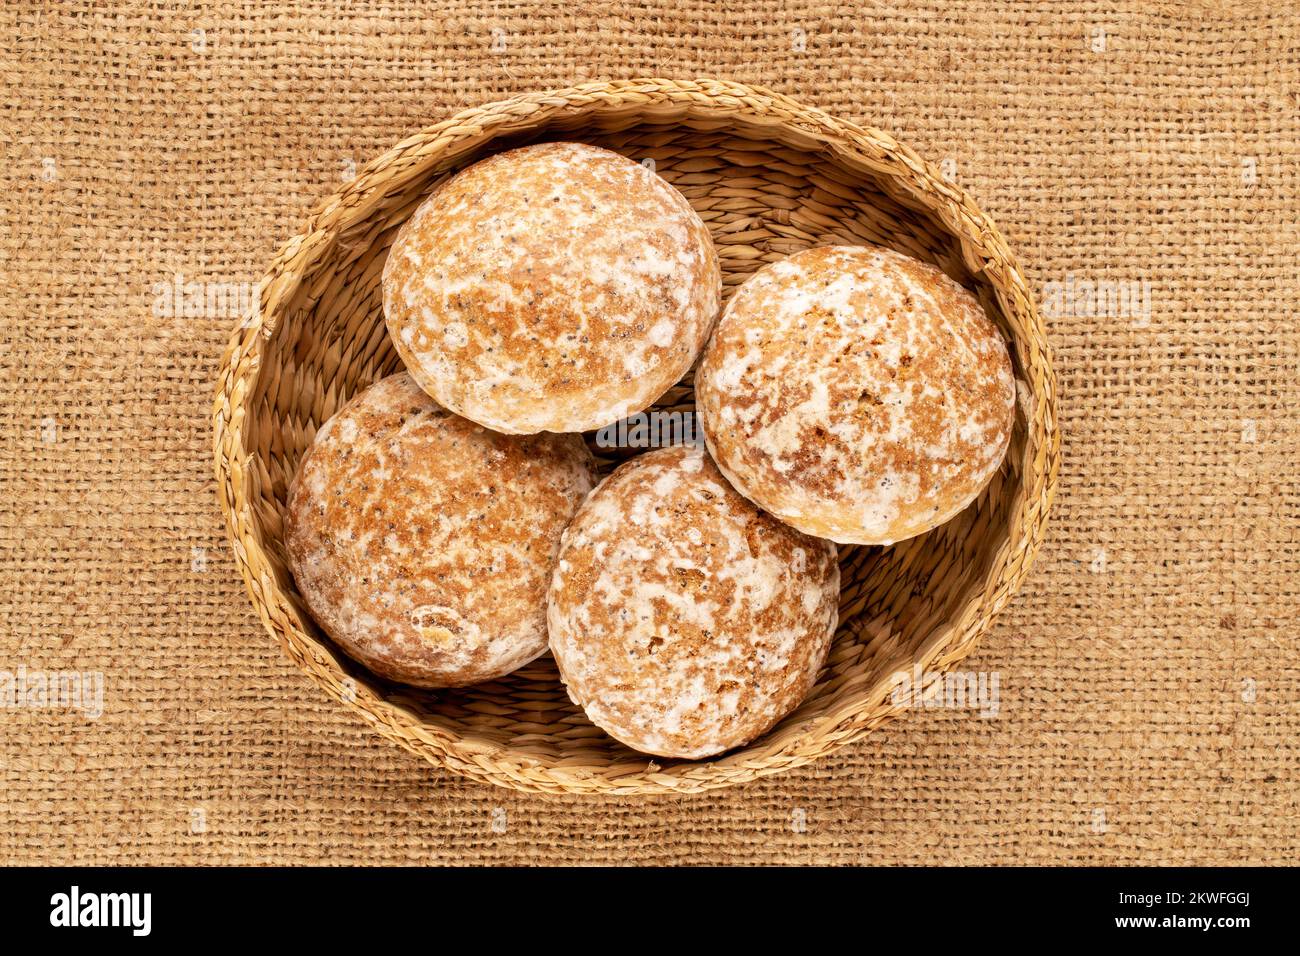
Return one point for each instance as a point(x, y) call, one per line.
point(1143, 160)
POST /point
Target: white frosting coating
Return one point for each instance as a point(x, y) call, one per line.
point(423, 543)
point(684, 620)
point(557, 287)
point(857, 394)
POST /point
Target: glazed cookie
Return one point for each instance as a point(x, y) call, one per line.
point(857, 394)
point(684, 620)
point(423, 543)
point(557, 287)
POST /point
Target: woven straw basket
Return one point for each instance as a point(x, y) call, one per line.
point(769, 177)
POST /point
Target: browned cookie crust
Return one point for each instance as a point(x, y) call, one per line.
point(423, 543)
point(684, 620)
point(858, 394)
point(557, 287)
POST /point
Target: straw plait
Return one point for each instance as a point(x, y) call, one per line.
point(769, 177)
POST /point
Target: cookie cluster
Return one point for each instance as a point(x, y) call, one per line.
point(448, 525)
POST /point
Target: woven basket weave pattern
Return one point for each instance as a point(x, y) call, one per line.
point(769, 177)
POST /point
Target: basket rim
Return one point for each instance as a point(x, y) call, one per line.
point(983, 250)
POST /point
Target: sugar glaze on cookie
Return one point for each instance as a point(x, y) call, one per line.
point(856, 393)
point(684, 620)
point(423, 543)
point(557, 287)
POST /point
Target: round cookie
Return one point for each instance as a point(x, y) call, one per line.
point(423, 543)
point(557, 287)
point(684, 620)
point(857, 394)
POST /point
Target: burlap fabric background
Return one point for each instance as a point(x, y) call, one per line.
point(1149, 689)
